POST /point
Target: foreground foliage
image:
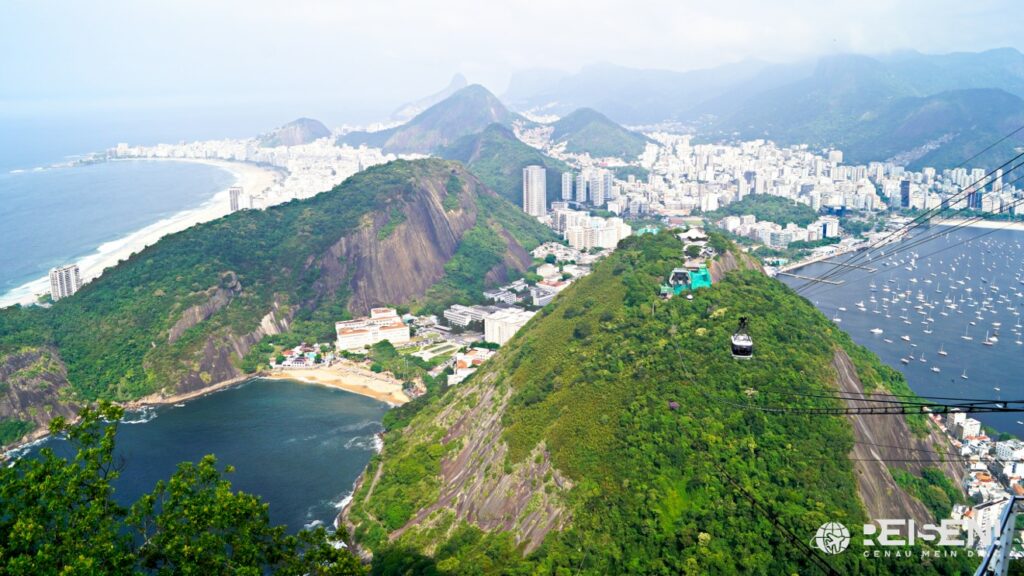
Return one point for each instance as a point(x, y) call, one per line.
point(60, 517)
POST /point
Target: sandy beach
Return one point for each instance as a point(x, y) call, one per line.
point(350, 378)
point(252, 178)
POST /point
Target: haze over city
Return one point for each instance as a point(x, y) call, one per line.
point(356, 61)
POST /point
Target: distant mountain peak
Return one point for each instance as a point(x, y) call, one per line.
point(466, 111)
point(297, 132)
point(407, 111)
point(586, 130)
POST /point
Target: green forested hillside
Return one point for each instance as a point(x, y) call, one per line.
point(587, 130)
point(497, 158)
point(114, 334)
point(580, 402)
point(769, 208)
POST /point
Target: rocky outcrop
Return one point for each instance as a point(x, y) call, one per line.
point(219, 297)
point(882, 438)
point(216, 364)
point(477, 486)
point(34, 386)
point(729, 261)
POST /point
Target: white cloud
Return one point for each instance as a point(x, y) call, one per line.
point(376, 53)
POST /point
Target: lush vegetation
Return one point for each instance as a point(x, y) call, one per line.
point(933, 488)
point(588, 131)
point(113, 334)
point(497, 158)
point(624, 172)
point(59, 517)
point(593, 379)
point(769, 208)
point(12, 428)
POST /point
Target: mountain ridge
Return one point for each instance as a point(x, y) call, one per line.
point(183, 313)
point(465, 112)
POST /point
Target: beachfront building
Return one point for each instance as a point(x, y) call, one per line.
point(382, 324)
point(235, 193)
point(64, 281)
point(501, 326)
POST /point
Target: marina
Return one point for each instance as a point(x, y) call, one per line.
point(955, 306)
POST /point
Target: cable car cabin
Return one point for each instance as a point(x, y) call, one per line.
point(742, 343)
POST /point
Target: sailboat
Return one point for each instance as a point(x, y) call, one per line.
point(964, 374)
point(942, 352)
point(965, 336)
point(988, 340)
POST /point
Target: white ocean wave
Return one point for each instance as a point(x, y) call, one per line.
point(362, 443)
point(140, 416)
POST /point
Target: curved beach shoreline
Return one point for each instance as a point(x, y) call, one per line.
point(252, 178)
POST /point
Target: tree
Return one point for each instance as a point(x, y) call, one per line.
point(692, 251)
point(550, 258)
point(59, 516)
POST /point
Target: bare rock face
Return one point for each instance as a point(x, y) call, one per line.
point(220, 296)
point(880, 439)
point(725, 263)
point(215, 364)
point(33, 385)
point(407, 261)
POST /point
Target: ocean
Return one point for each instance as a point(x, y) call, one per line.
point(55, 216)
point(299, 447)
point(979, 272)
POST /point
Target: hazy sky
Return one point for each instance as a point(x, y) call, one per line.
point(348, 60)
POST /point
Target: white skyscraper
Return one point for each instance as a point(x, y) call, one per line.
point(581, 187)
point(64, 281)
point(535, 193)
point(236, 195)
point(600, 185)
point(566, 185)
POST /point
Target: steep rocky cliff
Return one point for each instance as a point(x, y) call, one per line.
point(182, 314)
point(33, 389)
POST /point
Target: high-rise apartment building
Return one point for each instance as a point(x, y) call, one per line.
point(535, 196)
point(64, 281)
point(236, 197)
point(567, 185)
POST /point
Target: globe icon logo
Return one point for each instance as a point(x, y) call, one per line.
point(832, 538)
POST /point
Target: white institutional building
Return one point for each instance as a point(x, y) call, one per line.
point(535, 193)
point(64, 281)
point(501, 326)
point(382, 324)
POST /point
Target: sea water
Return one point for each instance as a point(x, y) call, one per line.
point(54, 216)
point(967, 266)
point(299, 447)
